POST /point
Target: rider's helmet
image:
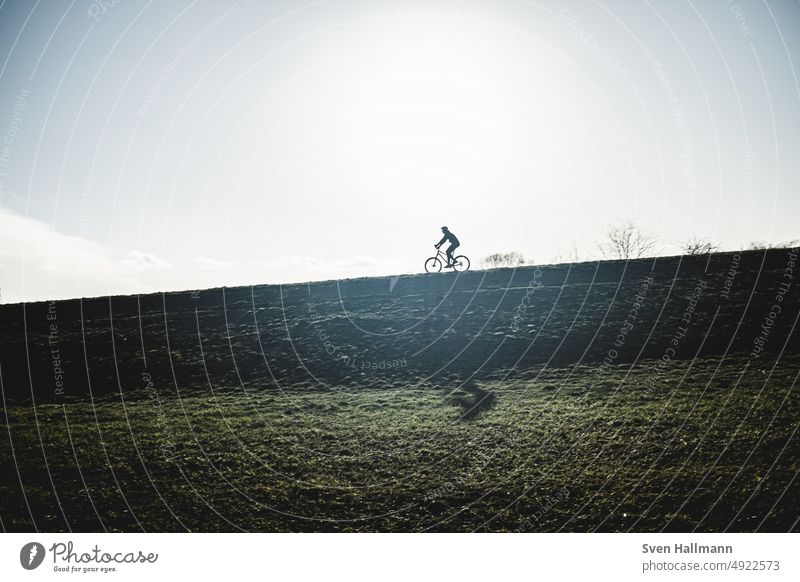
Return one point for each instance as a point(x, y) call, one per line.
point(444, 228)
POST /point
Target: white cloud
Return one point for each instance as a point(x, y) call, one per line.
point(143, 261)
point(41, 263)
point(210, 263)
point(363, 262)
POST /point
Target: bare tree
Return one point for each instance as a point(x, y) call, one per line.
point(699, 246)
point(626, 240)
point(512, 259)
point(571, 255)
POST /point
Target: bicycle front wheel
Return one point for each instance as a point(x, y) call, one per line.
point(433, 265)
point(461, 263)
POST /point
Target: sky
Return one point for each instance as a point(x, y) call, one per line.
point(166, 146)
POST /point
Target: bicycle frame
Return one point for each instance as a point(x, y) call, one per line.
point(443, 256)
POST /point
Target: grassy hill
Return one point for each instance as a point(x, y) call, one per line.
point(647, 395)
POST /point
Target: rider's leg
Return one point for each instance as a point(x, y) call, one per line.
point(450, 250)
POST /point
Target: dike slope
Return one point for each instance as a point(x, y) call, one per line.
point(411, 330)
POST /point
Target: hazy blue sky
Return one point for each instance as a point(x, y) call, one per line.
point(177, 145)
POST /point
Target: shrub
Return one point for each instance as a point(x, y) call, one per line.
point(512, 259)
point(699, 246)
point(626, 240)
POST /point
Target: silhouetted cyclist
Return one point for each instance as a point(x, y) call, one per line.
point(454, 244)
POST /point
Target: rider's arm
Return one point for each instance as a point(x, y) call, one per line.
point(441, 242)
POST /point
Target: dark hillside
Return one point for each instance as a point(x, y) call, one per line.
point(653, 395)
point(482, 324)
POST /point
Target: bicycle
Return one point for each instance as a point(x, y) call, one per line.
point(434, 264)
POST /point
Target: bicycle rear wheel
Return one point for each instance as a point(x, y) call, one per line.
point(433, 265)
point(461, 263)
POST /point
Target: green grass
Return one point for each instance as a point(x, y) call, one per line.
point(565, 451)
